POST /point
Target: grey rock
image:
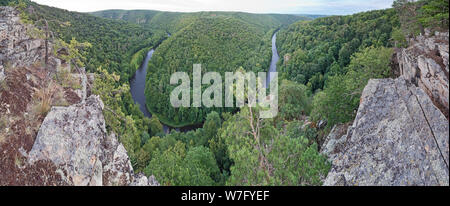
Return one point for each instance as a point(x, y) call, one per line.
point(75, 139)
point(142, 180)
point(335, 141)
point(16, 46)
point(425, 63)
point(117, 169)
point(398, 138)
point(72, 137)
point(322, 124)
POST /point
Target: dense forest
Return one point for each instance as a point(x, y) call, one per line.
point(317, 49)
point(239, 39)
point(114, 42)
point(325, 65)
point(173, 22)
point(237, 43)
point(114, 50)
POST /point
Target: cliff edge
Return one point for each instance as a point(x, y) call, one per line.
point(52, 134)
point(401, 132)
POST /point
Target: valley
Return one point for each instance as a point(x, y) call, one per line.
point(362, 99)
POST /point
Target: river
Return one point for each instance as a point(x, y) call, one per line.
point(137, 84)
point(274, 61)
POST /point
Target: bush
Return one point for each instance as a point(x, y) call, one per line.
point(340, 99)
point(435, 14)
point(293, 101)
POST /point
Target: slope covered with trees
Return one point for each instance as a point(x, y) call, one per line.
point(328, 61)
point(107, 57)
point(323, 47)
point(175, 21)
point(220, 44)
point(336, 56)
point(113, 42)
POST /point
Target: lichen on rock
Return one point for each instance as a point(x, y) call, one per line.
point(75, 139)
point(398, 138)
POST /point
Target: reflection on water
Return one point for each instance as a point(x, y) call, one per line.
point(274, 61)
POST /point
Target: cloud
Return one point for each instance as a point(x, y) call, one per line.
point(329, 7)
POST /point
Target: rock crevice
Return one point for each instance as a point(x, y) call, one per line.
point(425, 64)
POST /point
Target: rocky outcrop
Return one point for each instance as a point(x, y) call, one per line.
point(17, 48)
point(425, 64)
point(398, 138)
point(75, 139)
point(335, 141)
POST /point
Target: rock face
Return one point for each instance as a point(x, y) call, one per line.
point(398, 138)
point(17, 48)
point(75, 139)
point(425, 64)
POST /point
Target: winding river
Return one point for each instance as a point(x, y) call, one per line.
point(137, 84)
point(274, 61)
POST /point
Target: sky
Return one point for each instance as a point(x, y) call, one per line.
point(324, 7)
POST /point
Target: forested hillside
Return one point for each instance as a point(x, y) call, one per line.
point(317, 49)
point(206, 38)
point(220, 44)
point(113, 42)
point(175, 21)
point(336, 56)
point(325, 64)
point(111, 56)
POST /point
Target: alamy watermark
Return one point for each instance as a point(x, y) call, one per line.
point(238, 85)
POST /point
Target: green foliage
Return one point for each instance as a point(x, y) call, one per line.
point(340, 99)
point(21, 6)
point(399, 38)
point(176, 166)
point(113, 42)
point(337, 54)
point(296, 129)
point(74, 49)
point(407, 11)
point(173, 22)
point(323, 47)
point(417, 15)
point(293, 101)
point(263, 155)
point(220, 44)
point(434, 14)
point(123, 117)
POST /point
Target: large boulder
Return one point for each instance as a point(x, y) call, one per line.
point(75, 139)
point(398, 138)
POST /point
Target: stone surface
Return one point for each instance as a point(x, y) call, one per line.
point(425, 64)
point(117, 168)
point(142, 180)
point(74, 138)
point(335, 141)
point(17, 48)
point(398, 138)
